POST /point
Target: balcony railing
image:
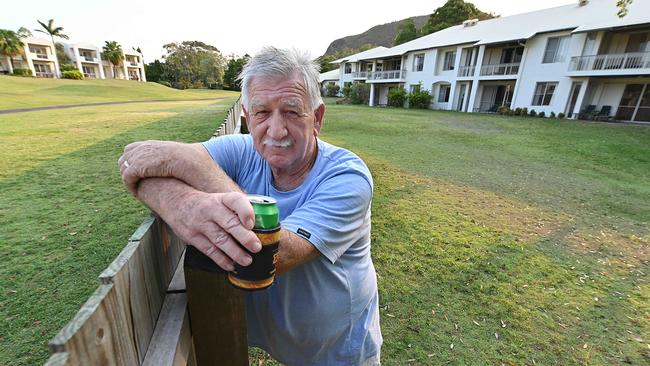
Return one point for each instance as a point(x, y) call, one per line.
point(360, 74)
point(620, 61)
point(42, 56)
point(89, 59)
point(133, 63)
point(386, 75)
point(44, 75)
point(465, 71)
point(500, 69)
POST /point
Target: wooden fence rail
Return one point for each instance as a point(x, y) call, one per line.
point(139, 313)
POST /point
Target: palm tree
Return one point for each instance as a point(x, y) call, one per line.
point(51, 30)
point(10, 45)
point(112, 52)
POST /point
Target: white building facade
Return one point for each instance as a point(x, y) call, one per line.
point(579, 60)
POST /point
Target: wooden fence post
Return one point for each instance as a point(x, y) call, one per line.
point(217, 313)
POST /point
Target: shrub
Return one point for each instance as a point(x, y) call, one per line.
point(524, 111)
point(541, 114)
point(560, 115)
point(533, 113)
point(517, 111)
point(397, 97)
point(552, 115)
point(216, 86)
point(72, 74)
point(503, 110)
point(23, 72)
point(359, 93)
point(332, 90)
point(67, 67)
point(420, 99)
point(165, 83)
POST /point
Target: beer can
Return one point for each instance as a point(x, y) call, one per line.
point(261, 272)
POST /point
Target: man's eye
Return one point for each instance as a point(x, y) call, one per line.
point(260, 113)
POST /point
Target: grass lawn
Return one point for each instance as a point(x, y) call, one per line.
point(25, 92)
point(496, 240)
point(63, 211)
point(510, 241)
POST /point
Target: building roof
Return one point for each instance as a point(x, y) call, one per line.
point(596, 14)
point(368, 54)
point(330, 75)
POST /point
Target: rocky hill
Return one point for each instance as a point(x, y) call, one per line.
point(379, 35)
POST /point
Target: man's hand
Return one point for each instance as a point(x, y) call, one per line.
point(147, 159)
point(216, 224)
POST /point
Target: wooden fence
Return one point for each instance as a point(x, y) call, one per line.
point(139, 313)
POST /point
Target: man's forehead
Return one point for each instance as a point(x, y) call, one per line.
point(286, 101)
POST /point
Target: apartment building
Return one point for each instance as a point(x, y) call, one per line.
point(39, 56)
point(87, 58)
point(577, 58)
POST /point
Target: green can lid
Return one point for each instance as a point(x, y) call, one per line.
point(267, 215)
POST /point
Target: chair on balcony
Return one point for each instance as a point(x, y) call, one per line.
point(603, 114)
point(588, 113)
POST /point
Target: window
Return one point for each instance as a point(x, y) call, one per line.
point(348, 68)
point(544, 93)
point(556, 50)
point(443, 94)
point(415, 88)
point(450, 60)
point(418, 62)
point(42, 68)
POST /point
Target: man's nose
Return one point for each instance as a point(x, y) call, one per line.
point(277, 127)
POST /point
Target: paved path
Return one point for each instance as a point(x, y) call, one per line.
point(32, 109)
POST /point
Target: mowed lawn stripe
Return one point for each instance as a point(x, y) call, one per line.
point(65, 215)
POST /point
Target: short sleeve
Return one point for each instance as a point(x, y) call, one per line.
point(336, 215)
point(229, 153)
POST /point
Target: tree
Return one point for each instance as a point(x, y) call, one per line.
point(51, 30)
point(406, 32)
point(194, 64)
point(234, 67)
point(112, 52)
point(623, 7)
point(156, 71)
point(10, 45)
point(454, 12)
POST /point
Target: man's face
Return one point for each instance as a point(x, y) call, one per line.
point(282, 123)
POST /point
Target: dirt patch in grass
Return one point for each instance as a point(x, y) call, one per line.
point(617, 249)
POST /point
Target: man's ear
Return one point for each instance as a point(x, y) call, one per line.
point(319, 113)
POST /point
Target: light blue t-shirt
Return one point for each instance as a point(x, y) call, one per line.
point(324, 312)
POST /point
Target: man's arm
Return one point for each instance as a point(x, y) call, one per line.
point(190, 171)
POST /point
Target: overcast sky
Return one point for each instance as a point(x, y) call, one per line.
point(234, 27)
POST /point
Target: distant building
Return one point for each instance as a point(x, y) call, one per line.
point(577, 58)
point(39, 56)
point(328, 78)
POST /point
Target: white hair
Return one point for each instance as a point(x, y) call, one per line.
point(275, 62)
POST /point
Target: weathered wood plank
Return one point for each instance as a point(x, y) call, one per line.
point(178, 281)
point(171, 341)
point(58, 359)
point(217, 313)
point(98, 334)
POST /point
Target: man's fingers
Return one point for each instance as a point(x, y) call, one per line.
point(239, 204)
point(231, 224)
point(206, 247)
point(228, 245)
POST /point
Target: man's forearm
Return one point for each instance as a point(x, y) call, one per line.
point(162, 195)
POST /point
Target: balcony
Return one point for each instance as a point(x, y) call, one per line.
point(360, 74)
point(40, 56)
point(134, 63)
point(386, 75)
point(466, 71)
point(500, 69)
point(89, 59)
point(44, 75)
point(629, 63)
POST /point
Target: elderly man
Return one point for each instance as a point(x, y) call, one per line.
point(323, 306)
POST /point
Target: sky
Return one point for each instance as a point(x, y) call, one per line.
point(233, 26)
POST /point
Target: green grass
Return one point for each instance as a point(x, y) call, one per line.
point(506, 240)
point(25, 92)
point(517, 241)
point(63, 211)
